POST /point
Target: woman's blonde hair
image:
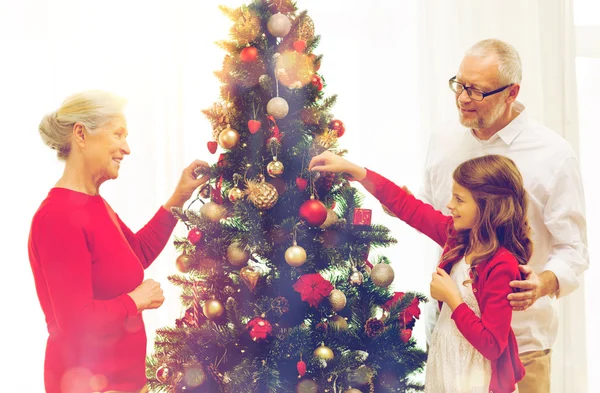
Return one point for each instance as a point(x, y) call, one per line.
point(92, 108)
point(496, 185)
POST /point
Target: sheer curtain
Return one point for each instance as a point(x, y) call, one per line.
point(542, 32)
point(161, 57)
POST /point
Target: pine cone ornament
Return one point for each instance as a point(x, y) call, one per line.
point(325, 183)
point(374, 327)
point(263, 195)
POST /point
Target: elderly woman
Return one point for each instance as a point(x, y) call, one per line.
point(87, 264)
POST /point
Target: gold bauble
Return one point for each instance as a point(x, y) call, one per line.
point(382, 275)
point(235, 194)
point(356, 277)
point(339, 322)
point(228, 138)
point(278, 107)
point(213, 309)
point(263, 195)
point(275, 168)
point(337, 300)
point(307, 386)
point(193, 374)
point(184, 263)
point(295, 256)
point(324, 352)
point(236, 255)
point(331, 219)
point(213, 211)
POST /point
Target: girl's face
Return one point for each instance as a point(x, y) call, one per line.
point(463, 207)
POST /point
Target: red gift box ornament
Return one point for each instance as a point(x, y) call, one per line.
point(362, 217)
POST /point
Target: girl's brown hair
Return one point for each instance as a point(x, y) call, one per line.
point(497, 188)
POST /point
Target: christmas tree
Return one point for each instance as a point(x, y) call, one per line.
point(278, 293)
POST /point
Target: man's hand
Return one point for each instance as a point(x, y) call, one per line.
point(532, 288)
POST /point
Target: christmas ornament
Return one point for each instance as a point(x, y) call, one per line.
point(212, 147)
point(356, 277)
point(205, 191)
point(279, 25)
point(382, 275)
point(324, 352)
point(313, 288)
point(374, 327)
point(313, 212)
point(262, 194)
point(362, 217)
point(235, 194)
point(259, 329)
point(275, 168)
point(301, 183)
point(278, 107)
point(338, 322)
point(195, 235)
point(299, 46)
point(337, 300)
point(213, 309)
point(249, 276)
point(193, 374)
point(294, 70)
point(338, 127)
point(307, 386)
point(405, 335)
point(165, 374)
point(236, 255)
point(317, 82)
point(295, 255)
point(254, 126)
point(331, 219)
point(248, 54)
point(228, 138)
point(184, 263)
point(213, 212)
point(301, 367)
point(325, 140)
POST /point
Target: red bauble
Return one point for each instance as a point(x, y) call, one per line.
point(195, 235)
point(212, 147)
point(405, 335)
point(313, 212)
point(254, 125)
point(299, 46)
point(259, 329)
point(337, 125)
point(301, 183)
point(317, 82)
point(248, 54)
point(301, 367)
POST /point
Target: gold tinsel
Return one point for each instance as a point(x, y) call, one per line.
point(246, 25)
point(303, 29)
point(283, 6)
point(327, 139)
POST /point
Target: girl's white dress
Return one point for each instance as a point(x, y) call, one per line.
point(453, 364)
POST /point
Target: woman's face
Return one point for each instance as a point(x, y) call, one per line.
point(105, 149)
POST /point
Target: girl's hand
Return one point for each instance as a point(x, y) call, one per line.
point(444, 289)
point(329, 162)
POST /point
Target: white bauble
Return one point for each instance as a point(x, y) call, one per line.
point(279, 25)
point(278, 107)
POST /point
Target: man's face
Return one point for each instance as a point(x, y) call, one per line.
point(480, 73)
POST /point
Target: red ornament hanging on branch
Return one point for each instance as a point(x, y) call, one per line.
point(259, 329)
point(362, 217)
point(195, 235)
point(313, 212)
point(301, 367)
point(212, 146)
point(249, 54)
point(318, 83)
point(337, 126)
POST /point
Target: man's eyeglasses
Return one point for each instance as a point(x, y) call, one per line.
point(474, 94)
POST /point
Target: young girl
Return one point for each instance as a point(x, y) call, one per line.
point(473, 348)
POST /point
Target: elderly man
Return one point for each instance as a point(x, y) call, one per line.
point(494, 122)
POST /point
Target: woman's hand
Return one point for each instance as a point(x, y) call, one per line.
point(444, 289)
point(147, 295)
point(187, 184)
point(329, 162)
